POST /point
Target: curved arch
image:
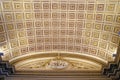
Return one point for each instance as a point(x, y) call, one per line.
point(23, 63)
point(70, 57)
point(55, 54)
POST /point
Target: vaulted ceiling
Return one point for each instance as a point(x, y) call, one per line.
point(83, 27)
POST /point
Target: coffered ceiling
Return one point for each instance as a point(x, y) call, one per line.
point(85, 27)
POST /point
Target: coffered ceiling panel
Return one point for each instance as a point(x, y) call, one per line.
point(80, 26)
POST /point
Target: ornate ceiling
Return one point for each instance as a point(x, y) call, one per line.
point(85, 27)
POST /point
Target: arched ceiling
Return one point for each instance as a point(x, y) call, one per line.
point(87, 27)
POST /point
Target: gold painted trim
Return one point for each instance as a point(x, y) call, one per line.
point(54, 54)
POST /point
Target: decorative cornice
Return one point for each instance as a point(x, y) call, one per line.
point(5, 68)
point(113, 71)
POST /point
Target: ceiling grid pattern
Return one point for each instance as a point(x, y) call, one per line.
point(82, 26)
